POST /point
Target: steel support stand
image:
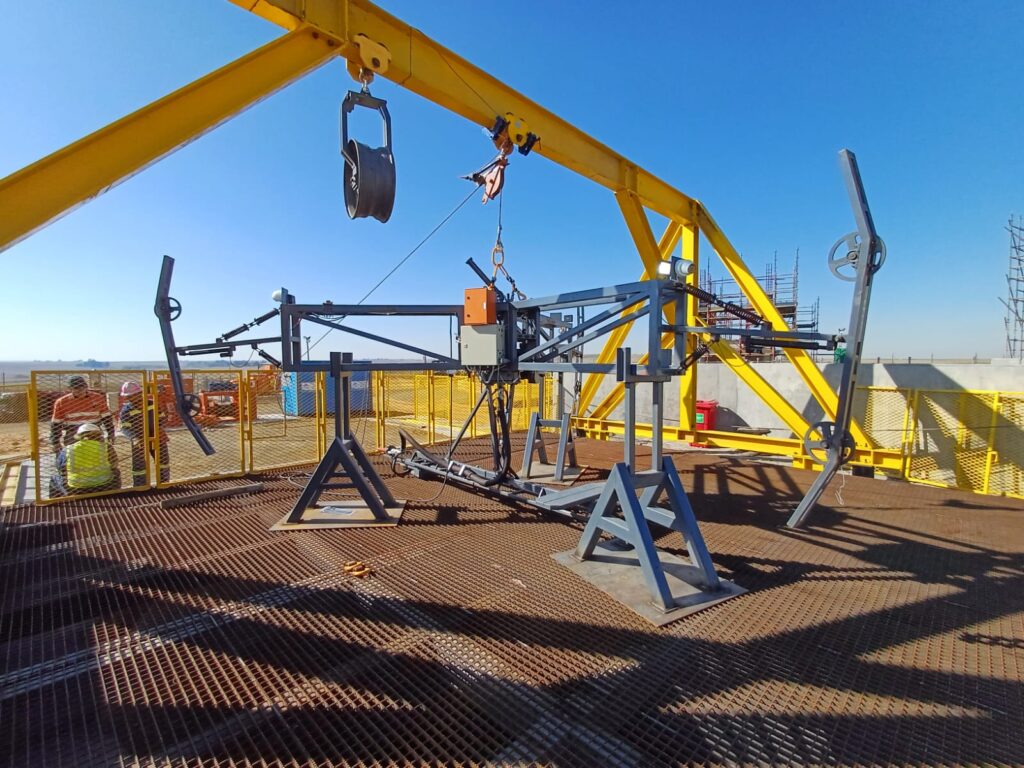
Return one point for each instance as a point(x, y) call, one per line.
point(629, 438)
point(657, 420)
point(565, 457)
point(626, 509)
point(345, 466)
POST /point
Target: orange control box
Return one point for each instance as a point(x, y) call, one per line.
point(481, 307)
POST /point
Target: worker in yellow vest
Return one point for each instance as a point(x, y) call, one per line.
point(89, 464)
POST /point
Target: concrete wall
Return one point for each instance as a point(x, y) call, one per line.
point(739, 406)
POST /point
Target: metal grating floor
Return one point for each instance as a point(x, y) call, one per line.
point(892, 631)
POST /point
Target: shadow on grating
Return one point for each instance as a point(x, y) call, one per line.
point(892, 630)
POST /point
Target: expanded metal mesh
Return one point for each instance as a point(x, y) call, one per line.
point(262, 420)
point(883, 414)
point(15, 441)
point(1006, 474)
point(401, 396)
point(282, 430)
point(952, 434)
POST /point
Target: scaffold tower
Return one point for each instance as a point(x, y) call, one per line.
point(782, 287)
point(1014, 301)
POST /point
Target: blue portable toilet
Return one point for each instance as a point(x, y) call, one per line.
point(299, 392)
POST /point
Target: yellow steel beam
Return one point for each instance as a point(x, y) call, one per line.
point(639, 228)
point(427, 68)
point(359, 30)
point(805, 366)
point(39, 193)
point(737, 364)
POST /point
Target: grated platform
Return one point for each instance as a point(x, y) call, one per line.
point(891, 631)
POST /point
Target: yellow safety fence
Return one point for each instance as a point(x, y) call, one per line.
point(261, 420)
point(967, 439)
point(257, 420)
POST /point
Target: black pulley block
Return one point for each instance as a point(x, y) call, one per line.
point(369, 180)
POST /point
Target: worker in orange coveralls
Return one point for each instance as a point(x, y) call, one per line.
point(80, 406)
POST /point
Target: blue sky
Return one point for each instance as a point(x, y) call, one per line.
point(740, 104)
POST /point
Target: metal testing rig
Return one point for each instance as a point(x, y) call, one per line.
point(375, 44)
point(504, 340)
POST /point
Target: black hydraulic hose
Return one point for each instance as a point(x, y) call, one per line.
point(506, 445)
point(493, 422)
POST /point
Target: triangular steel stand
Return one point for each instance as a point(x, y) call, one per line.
point(566, 468)
point(345, 465)
point(667, 587)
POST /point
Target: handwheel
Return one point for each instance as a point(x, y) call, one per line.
point(817, 450)
point(173, 308)
point(852, 243)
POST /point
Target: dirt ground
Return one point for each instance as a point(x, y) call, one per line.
point(15, 442)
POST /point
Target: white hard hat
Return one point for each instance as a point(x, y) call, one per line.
point(88, 429)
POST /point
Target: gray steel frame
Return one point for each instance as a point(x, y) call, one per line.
point(537, 342)
point(866, 258)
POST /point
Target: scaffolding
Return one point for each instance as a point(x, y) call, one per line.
point(781, 287)
point(1014, 301)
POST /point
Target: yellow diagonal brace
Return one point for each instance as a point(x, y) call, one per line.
point(780, 406)
point(640, 230)
point(611, 401)
point(669, 240)
point(805, 366)
point(36, 195)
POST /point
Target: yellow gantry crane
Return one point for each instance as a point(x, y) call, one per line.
point(376, 43)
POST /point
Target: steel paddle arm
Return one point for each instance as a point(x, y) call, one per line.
point(167, 310)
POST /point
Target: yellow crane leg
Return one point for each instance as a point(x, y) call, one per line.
point(805, 366)
point(688, 378)
point(40, 193)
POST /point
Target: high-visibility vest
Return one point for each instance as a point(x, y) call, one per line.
point(88, 464)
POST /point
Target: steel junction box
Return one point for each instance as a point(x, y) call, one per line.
point(481, 344)
point(480, 307)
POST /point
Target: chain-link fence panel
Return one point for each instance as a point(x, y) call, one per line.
point(524, 402)
point(284, 415)
point(402, 404)
point(15, 443)
point(89, 436)
point(952, 432)
point(1006, 458)
point(219, 403)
